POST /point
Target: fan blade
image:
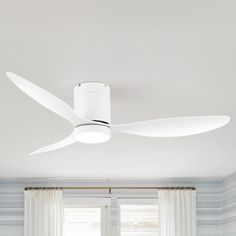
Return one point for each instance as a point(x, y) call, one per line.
point(173, 127)
point(46, 99)
point(63, 143)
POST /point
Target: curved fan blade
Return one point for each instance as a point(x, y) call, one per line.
point(63, 143)
point(173, 127)
point(46, 99)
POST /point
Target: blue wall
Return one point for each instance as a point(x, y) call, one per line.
point(216, 200)
point(229, 206)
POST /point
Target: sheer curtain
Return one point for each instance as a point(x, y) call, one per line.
point(177, 212)
point(43, 213)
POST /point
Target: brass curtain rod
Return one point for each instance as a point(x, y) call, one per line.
point(109, 188)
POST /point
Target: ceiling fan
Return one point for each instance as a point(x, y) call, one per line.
point(91, 116)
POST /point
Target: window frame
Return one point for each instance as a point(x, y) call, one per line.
point(133, 201)
point(103, 203)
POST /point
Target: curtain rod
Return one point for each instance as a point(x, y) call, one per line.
point(109, 188)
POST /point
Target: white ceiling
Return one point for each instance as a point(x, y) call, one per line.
point(161, 58)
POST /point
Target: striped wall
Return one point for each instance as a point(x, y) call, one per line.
point(214, 199)
point(229, 206)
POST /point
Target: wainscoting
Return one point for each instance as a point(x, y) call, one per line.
point(216, 200)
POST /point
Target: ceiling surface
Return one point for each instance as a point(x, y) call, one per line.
point(161, 58)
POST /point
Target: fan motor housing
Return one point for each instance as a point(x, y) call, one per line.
point(92, 101)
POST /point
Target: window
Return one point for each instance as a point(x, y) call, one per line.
point(139, 217)
point(82, 220)
point(91, 217)
point(87, 217)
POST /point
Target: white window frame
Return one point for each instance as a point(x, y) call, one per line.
point(103, 203)
point(133, 201)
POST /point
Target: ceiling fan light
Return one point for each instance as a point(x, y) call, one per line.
point(92, 134)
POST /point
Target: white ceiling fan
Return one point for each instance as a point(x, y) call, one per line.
point(91, 116)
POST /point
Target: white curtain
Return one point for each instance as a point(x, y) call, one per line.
point(43, 213)
point(177, 212)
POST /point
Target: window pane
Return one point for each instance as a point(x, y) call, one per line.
point(139, 220)
point(83, 221)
